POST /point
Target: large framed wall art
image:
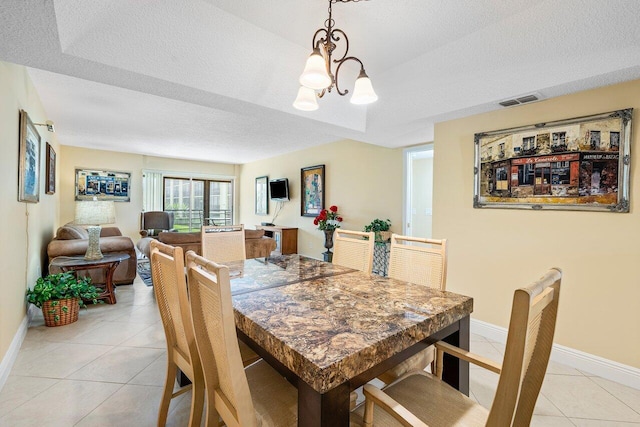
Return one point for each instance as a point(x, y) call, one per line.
point(29, 161)
point(312, 194)
point(575, 164)
point(102, 185)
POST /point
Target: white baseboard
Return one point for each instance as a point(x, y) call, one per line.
point(12, 353)
point(604, 368)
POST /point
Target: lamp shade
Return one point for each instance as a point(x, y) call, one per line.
point(95, 212)
point(306, 99)
point(363, 92)
point(315, 74)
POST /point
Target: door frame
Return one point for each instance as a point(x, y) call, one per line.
point(407, 185)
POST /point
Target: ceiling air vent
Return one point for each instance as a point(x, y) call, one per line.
point(521, 100)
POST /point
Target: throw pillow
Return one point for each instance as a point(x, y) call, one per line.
point(71, 232)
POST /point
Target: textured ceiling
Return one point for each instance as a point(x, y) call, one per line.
point(215, 79)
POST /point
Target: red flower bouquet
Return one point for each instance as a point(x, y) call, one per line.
point(328, 219)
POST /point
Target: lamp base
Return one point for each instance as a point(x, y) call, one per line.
point(93, 249)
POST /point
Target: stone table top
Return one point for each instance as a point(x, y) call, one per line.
point(254, 274)
point(331, 324)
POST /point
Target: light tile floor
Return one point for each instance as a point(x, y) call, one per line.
point(108, 368)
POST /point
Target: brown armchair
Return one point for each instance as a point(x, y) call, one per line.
point(153, 223)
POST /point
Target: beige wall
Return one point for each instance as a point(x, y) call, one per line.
point(27, 227)
point(364, 181)
point(493, 251)
point(127, 213)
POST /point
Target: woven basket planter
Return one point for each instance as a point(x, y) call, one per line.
point(60, 312)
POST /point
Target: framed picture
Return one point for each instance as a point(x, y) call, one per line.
point(262, 195)
point(51, 170)
point(29, 161)
point(312, 181)
point(575, 164)
point(103, 185)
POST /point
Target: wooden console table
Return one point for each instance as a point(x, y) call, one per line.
point(286, 238)
point(109, 263)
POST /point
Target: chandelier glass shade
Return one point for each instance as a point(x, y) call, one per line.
point(318, 78)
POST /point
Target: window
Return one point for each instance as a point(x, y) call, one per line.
point(614, 140)
point(594, 139)
point(560, 173)
point(526, 174)
point(501, 146)
point(559, 138)
point(198, 201)
point(528, 143)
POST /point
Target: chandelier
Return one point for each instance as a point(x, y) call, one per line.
point(318, 78)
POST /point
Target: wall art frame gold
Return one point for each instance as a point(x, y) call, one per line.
point(312, 194)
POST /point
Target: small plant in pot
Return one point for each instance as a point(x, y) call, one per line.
point(60, 296)
point(381, 228)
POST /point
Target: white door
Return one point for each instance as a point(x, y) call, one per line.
point(418, 194)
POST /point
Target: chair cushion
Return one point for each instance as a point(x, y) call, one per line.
point(274, 399)
point(418, 361)
point(431, 400)
point(253, 234)
point(71, 232)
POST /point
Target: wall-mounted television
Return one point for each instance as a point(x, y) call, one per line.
point(279, 189)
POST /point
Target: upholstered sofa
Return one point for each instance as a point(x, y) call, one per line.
point(256, 244)
point(73, 240)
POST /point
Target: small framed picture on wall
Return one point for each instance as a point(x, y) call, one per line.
point(51, 170)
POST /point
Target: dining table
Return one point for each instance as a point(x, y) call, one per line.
point(329, 329)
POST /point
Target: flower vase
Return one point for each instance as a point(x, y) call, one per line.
point(328, 244)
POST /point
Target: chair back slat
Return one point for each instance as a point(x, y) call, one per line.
point(213, 318)
point(223, 243)
point(529, 341)
point(354, 249)
point(418, 260)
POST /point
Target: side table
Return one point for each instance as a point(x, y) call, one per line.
point(109, 263)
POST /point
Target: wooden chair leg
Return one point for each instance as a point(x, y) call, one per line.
point(197, 403)
point(169, 381)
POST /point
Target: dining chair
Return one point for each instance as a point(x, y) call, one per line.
point(354, 249)
point(170, 288)
point(223, 243)
point(420, 398)
point(254, 396)
point(423, 262)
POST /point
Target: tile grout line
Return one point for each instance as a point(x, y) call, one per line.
point(613, 395)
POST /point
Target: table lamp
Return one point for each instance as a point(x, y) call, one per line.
point(94, 213)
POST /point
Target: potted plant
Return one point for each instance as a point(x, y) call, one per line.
point(381, 228)
point(60, 296)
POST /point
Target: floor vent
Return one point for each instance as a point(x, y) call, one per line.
point(520, 100)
